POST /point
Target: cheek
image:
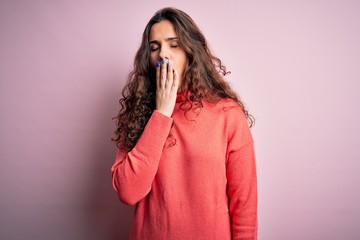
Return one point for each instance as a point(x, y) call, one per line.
point(152, 61)
point(183, 62)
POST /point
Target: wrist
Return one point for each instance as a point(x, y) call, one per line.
point(165, 113)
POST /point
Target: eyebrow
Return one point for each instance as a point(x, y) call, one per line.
point(166, 40)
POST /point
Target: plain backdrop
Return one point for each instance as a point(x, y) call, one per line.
point(62, 67)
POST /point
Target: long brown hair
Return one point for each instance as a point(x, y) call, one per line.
point(203, 78)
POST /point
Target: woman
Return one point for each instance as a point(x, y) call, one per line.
point(186, 155)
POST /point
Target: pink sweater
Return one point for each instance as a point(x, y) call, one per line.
point(203, 187)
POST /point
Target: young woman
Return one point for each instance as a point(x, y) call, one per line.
point(186, 155)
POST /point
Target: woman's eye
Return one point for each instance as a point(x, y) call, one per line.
point(157, 48)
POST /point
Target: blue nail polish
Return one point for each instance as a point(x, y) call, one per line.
point(169, 63)
point(162, 60)
point(157, 64)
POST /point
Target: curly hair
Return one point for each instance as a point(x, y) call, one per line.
point(203, 79)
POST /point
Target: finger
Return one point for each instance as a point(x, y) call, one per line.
point(163, 73)
point(157, 75)
point(175, 84)
point(170, 80)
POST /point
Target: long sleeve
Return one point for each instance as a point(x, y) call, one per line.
point(133, 172)
point(242, 181)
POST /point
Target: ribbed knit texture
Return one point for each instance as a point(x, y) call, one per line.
point(191, 177)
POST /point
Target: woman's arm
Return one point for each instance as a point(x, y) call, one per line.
point(242, 192)
point(242, 178)
point(133, 172)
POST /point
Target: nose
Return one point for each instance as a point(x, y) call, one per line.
point(163, 54)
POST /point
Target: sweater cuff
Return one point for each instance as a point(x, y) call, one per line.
point(155, 134)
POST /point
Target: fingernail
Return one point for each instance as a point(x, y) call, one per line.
point(157, 64)
point(169, 63)
point(162, 60)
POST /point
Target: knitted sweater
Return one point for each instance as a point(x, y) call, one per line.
point(191, 176)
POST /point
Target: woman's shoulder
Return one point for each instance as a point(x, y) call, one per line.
point(236, 121)
point(227, 108)
point(226, 104)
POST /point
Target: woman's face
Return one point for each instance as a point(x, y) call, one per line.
point(164, 43)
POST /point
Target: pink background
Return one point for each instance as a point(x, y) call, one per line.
point(63, 64)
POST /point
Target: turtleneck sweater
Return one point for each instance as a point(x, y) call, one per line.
point(191, 175)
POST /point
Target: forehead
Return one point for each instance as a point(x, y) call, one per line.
point(162, 30)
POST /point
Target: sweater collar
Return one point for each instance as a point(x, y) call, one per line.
point(181, 96)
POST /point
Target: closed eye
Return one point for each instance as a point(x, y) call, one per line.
point(155, 49)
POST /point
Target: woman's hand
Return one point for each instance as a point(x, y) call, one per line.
point(167, 84)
